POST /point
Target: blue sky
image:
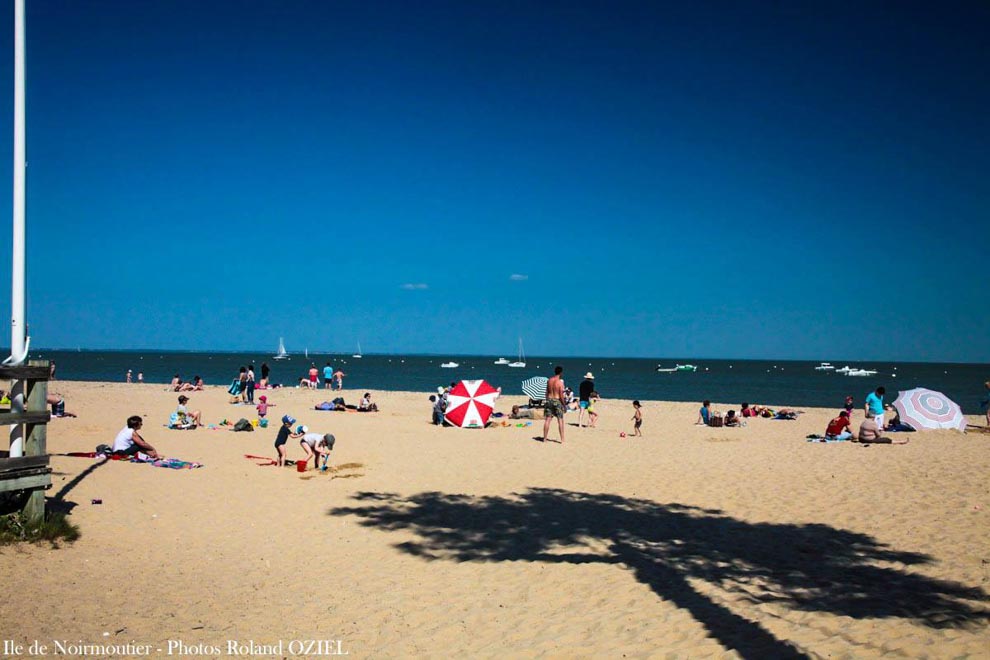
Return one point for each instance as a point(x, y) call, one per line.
point(713, 179)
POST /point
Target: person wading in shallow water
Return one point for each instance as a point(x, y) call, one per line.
point(554, 404)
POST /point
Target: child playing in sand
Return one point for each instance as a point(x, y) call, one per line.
point(593, 400)
point(263, 406)
point(637, 418)
point(316, 445)
point(284, 433)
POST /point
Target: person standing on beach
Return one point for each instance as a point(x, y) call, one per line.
point(128, 378)
point(874, 404)
point(328, 377)
point(51, 371)
point(284, 433)
point(250, 384)
point(339, 377)
point(242, 379)
point(553, 405)
point(585, 389)
point(264, 374)
point(637, 418)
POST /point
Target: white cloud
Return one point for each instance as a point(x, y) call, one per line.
point(516, 277)
point(419, 286)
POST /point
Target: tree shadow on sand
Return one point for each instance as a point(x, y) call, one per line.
point(805, 567)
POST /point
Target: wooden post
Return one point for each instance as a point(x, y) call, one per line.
point(36, 441)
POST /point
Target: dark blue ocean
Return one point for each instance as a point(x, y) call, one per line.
point(777, 383)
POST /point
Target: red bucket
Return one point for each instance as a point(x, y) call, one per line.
point(301, 466)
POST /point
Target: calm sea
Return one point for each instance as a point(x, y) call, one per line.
point(778, 383)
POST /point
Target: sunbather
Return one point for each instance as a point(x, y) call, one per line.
point(195, 416)
point(839, 428)
point(869, 432)
point(129, 441)
point(705, 413)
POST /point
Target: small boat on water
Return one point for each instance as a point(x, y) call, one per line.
point(501, 361)
point(825, 366)
point(358, 354)
point(449, 365)
point(521, 362)
point(668, 370)
point(686, 367)
point(281, 355)
point(861, 372)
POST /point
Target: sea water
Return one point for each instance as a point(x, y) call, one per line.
point(763, 382)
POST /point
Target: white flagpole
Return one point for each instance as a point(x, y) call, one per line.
point(18, 336)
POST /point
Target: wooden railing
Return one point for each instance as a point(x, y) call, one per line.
point(31, 472)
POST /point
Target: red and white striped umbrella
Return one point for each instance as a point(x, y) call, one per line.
point(470, 404)
point(927, 409)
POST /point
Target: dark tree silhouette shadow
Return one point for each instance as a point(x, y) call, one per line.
point(804, 567)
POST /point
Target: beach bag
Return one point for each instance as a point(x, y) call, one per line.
point(717, 421)
point(235, 388)
point(104, 450)
point(243, 425)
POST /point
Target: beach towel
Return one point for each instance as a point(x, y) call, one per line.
point(173, 463)
point(235, 387)
point(814, 437)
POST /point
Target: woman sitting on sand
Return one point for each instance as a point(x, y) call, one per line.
point(870, 434)
point(731, 419)
point(366, 405)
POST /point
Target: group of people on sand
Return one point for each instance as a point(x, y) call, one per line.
point(709, 417)
point(177, 385)
point(315, 445)
point(871, 429)
point(332, 378)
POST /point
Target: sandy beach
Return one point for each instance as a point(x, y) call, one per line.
point(427, 541)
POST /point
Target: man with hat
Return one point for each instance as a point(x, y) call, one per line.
point(585, 389)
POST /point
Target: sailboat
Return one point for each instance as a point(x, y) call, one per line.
point(281, 355)
point(522, 357)
point(306, 352)
point(358, 354)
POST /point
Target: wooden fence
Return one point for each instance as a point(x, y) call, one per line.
point(30, 473)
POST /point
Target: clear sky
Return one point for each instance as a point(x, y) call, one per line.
point(798, 179)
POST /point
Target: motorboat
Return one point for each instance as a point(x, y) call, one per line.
point(668, 370)
point(825, 366)
point(844, 370)
point(686, 367)
point(861, 372)
point(281, 355)
point(449, 365)
point(501, 361)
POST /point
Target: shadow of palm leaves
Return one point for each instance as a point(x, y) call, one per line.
point(805, 567)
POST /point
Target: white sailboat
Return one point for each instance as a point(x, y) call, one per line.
point(449, 365)
point(521, 362)
point(281, 355)
point(306, 351)
point(358, 354)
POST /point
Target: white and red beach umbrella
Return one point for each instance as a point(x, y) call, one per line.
point(927, 409)
point(470, 404)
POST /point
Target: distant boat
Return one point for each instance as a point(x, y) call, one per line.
point(449, 365)
point(843, 370)
point(501, 361)
point(358, 354)
point(521, 362)
point(825, 366)
point(686, 367)
point(281, 355)
point(306, 350)
point(861, 372)
point(668, 370)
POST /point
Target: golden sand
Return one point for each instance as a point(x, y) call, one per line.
point(689, 541)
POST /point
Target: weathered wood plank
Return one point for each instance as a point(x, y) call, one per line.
point(24, 372)
point(23, 463)
point(38, 417)
point(25, 483)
